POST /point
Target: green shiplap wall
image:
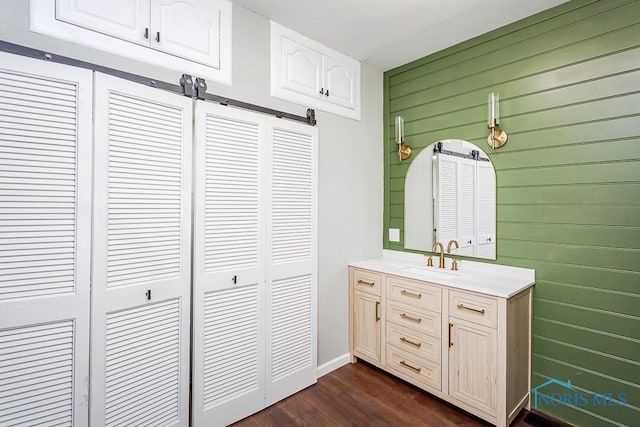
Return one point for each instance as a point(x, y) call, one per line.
point(568, 179)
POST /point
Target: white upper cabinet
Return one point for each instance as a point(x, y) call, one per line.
point(308, 73)
point(189, 36)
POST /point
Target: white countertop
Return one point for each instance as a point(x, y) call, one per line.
point(492, 279)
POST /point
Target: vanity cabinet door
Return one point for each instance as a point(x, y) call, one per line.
point(366, 325)
point(473, 364)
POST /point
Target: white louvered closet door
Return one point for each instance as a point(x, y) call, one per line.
point(45, 235)
point(141, 255)
point(466, 207)
point(486, 212)
point(446, 191)
point(292, 258)
point(229, 265)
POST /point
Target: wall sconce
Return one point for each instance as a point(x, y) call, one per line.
point(497, 138)
point(404, 151)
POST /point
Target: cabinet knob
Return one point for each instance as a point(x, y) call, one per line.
point(148, 294)
point(234, 279)
point(158, 36)
point(321, 91)
point(146, 33)
point(327, 92)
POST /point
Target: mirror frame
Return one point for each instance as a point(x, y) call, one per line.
point(420, 201)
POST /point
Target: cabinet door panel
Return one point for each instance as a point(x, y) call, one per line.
point(301, 68)
point(366, 325)
point(45, 235)
point(340, 82)
point(124, 19)
point(473, 365)
point(191, 30)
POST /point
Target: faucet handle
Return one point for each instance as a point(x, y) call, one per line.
point(429, 261)
point(454, 265)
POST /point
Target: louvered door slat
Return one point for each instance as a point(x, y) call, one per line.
point(142, 256)
point(45, 174)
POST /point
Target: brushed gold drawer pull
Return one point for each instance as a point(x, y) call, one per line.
point(406, 316)
point(364, 282)
point(410, 294)
point(416, 344)
point(377, 310)
point(481, 311)
point(403, 363)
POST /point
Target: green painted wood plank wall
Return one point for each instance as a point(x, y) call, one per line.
point(568, 179)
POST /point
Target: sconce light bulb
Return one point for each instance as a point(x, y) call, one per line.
point(494, 109)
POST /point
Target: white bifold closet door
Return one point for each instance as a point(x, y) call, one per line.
point(254, 323)
point(45, 235)
point(141, 255)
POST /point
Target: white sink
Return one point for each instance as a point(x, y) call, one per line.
point(430, 271)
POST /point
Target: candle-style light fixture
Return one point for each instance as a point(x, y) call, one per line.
point(404, 151)
point(497, 138)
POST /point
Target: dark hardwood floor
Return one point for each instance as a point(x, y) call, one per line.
point(362, 395)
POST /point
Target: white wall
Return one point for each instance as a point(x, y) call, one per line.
point(350, 153)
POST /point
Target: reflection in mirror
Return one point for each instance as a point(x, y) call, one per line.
point(450, 194)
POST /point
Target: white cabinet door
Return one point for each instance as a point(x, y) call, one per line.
point(141, 255)
point(340, 80)
point(301, 68)
point(229, 265)
point(45, 235)
point(124, 19)
point(292, 258)
point(191, 30)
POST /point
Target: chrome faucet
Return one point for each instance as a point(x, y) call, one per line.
point(454, 264)
point(435, 245)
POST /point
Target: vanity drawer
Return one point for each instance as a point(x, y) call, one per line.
point(479, 309)
point(422, 321)
point(415, 369)
point(414, 293)
point(367, 281)
point(421, 345)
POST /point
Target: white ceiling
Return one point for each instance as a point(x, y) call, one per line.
point(389, 33)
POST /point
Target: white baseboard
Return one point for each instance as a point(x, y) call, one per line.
point(334, 364)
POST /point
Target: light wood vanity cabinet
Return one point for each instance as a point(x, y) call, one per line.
point(468, 348)
point(366, 326)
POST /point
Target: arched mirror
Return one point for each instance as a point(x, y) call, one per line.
point(450, 194)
